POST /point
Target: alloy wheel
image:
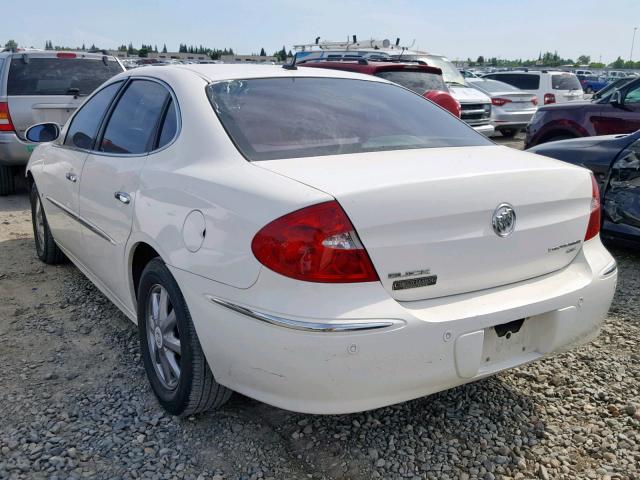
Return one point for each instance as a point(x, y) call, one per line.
point(163, 337)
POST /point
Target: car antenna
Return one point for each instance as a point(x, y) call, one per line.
point(292, 65)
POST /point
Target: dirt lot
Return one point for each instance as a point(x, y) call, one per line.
point(76, 404)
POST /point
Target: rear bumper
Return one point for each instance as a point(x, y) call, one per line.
point(431, 345)
point(13, 150)
point(486, 130)
point(511, 119)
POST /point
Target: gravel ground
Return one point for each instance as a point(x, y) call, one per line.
point(76, 404)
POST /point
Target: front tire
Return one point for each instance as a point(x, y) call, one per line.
point(171, 353)
point(7, 181)
point(46, 247)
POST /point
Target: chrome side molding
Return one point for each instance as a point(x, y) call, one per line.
point(82, 221)
point(609, 269)
point(346, 326)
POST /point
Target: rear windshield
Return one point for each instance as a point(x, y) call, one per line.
point(58, 76)
point(494, 86)
point(565, 81)
point(522, 81)
point(416, 81)
point(276, 118)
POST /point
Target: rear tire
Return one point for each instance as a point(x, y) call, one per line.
point(509, 132)
point(171, 353)
point(7, 181)
point(46, 247)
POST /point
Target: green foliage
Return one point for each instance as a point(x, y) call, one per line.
point(11, 44)
point(263, 53)
point(143, 52)
point(164, 48)
point(480, 60)
point(584, 60)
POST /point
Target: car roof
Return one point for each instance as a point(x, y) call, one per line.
point(217, 72)
point(52, 53)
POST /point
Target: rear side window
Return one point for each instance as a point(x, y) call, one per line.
point(84, 126)
point(416, 81)
point(519, 80)
point(565, 82)
point(133, 123)
point(331, 116)
point(169, 125)
point(58, 76)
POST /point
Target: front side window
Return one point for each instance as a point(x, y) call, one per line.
point(84, 125)
point(276, 118)
point(632, 96)
point(132, 125)
point(415, 80)
point(58, 76)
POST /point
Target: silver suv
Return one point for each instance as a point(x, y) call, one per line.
point(42, 86)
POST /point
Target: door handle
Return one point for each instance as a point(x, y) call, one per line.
point(72, 177)
point(123, 197)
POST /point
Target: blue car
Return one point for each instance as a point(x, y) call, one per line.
point(592, 84)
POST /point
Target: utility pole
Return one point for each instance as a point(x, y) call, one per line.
point(633, 40)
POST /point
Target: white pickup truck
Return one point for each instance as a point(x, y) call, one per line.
point(475, 105)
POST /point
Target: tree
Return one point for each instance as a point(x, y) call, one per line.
point(83, 48)
point(164, 48)
point(155, 48)
point(584, 59)
point(143, 52)
point(480, 60)
point(263, 53)
point(130, 49)
point(618, 63)
point(48, 45)
point(11, 44)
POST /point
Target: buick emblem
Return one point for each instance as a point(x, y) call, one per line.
point(504, 220)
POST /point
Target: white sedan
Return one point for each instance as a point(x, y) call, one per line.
point(321, 241)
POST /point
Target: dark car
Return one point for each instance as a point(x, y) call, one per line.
point(615, 162)
point(616, 111)
point(419, 78)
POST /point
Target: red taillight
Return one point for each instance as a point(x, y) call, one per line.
point(498, 102)
point(315, 244)
point(549, 98)
point(534, 100)
point(5, 119)
point(66, 55)
point(594, 218)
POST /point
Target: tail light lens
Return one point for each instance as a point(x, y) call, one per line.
point(593, 228)
point(534, 100)
point(66, 55)
point(6, 125)
point(549, 98)
point(498, 102)
point(314, 244)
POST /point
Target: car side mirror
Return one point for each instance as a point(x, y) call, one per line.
point(616, 99)
point(43, 132)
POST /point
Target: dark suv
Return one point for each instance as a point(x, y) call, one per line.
point(421, 79)
point(615, 111)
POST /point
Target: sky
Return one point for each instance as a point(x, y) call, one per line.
point(456, 28)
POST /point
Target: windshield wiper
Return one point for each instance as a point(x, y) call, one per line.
point(74, 91)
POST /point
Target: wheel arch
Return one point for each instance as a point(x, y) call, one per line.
point(140, 254)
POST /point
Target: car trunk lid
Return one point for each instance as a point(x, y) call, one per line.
point(425, 216)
